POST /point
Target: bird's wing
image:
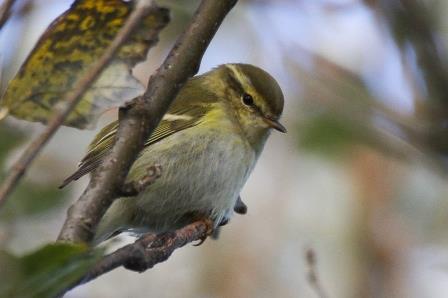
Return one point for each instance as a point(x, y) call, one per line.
point(174, 121)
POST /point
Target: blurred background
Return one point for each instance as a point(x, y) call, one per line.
point(355, 194)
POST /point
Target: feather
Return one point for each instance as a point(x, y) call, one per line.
point(174, 121)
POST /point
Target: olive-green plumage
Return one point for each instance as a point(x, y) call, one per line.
point(207, 144)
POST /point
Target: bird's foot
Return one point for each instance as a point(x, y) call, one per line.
point(209, 232)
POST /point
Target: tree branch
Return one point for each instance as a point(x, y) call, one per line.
point(140, 117)
point(5, 11)
point(72, 99)
point(148, 250)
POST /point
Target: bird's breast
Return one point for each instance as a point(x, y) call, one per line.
point(203, 170)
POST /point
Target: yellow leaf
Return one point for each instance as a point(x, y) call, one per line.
point(74, 41)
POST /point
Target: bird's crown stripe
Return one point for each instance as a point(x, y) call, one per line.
point(240, 77)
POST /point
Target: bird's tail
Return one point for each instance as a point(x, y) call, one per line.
point(114, 221)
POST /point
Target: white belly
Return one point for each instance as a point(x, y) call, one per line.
point(202, 177)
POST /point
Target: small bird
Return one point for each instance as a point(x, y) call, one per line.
point(207, 145)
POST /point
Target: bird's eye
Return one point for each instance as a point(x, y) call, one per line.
point(248, 99)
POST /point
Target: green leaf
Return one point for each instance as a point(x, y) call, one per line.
point(31, 198)
point(45, 272)
point(338, 110)
point(9, 139)
point(64, 53)
point(331, 135)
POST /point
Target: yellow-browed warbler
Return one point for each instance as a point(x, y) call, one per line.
point(207, 144)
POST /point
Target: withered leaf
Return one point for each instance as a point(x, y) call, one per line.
point(74, 41)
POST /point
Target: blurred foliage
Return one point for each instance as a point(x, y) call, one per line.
point(415, 25)
point(9, 138)
point(338, 110)
point(348, 113)
point(65, 52)
point(331, 135)
point(44, 272)
point(29, 198)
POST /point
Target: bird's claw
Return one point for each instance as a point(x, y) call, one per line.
point(209, 232)
point(201, 240)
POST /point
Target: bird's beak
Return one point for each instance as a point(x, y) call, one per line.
point(275, 124)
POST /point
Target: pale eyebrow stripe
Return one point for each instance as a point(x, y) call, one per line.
point(239, 75)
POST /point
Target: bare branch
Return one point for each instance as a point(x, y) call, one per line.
point(140, 117)
point(313, 278)
point(70, 101)
point(5, 11)
point(148, 250)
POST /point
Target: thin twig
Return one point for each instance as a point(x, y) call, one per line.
point(313, 277)
point(147, 251)
point(140, 117)
point(5, 12)
point(71, 100)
